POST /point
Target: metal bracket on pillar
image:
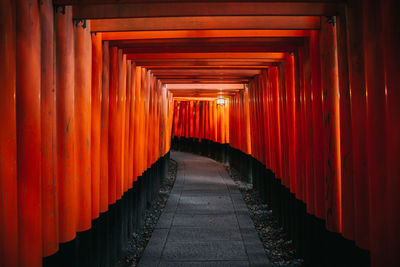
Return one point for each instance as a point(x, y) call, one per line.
point(77, 21)
point(62, 7)
point(332, 20)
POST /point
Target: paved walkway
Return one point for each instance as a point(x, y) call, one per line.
point(205, 222)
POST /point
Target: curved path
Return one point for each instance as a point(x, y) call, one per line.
point(205, 221)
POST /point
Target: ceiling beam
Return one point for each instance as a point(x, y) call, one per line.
point(183, 68)
point(207, 72)
point(206, 23)
point(183, 98)
point(202, 94)
point(138, 35)
point(209, 45)
point(202, 80)
point(219, 55)
point(207, 86)
point(101, 2)
point(206, 64)
point(203, 61)
point(182, 9)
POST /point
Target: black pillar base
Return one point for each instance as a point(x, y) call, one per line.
point(105, 241)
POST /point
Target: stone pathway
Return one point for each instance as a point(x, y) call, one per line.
point(205, 221)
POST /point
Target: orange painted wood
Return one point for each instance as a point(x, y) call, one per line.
point(300, 161)
point(104, 133)
point(138, 106)
point(289, 78)
point(197, 120)
point(220, 8)
point(308, 130)
point(346, 153)
point(65, 84)
point(317, 120)
point(121, 178)
point(135, 121)
point(284, 128)
point(8, 138)
point(114, 153)
point(147, 93)
point(390, 42)
point(141, 115)
point(246, 110)
point(96, 95)
point(149, 123)
point(48, 131)
point(275, 99)
point(330, 89)
point(131, 99)
point(137, 35)
point(83, 108)
point(207, 23)
point(358, 127)
point(29, 133)
point(376, 134)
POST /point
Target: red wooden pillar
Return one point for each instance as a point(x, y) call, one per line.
point(284, 127)
point(330, 89)
point(290, 91)
point(308, 130)
point(29, 134)
point(347, 184)
point(48, 131)
point(298, 99)
point(260, 128)
point(197, 123)
point(83, 90)
point(317, 125)
point(95, 153)
point(376, 105)
point(127, 124)
point(358, 123)
point(275, 94)
point(390, 40)
point(131, 89)
point(247, 120)
point(104, 133)
point(8, 138)
point(202, 119)
point(187, 119)
point(138, 117)
point(147, 92)
point(176, 119)
point(121, 114)
point(65, 83)
point(149, 123)
point(142, 120)
point(215, 113)
point(114, 154)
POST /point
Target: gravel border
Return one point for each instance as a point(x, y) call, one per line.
point(277, 245)
point(139, 239)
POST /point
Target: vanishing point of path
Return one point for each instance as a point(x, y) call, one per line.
point(205, 221)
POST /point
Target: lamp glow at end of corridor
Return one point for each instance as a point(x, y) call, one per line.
point(221, 101)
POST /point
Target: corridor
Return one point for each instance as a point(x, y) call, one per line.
point(205, 222)
point(300, 97)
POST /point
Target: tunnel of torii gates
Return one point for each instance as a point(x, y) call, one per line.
point(303, 96)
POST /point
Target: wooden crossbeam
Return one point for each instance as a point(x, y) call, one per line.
point(90, 9)
point(207, 23)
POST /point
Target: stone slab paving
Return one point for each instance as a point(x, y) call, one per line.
point(205, 221)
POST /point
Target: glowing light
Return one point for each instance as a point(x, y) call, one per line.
point(221, 101)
